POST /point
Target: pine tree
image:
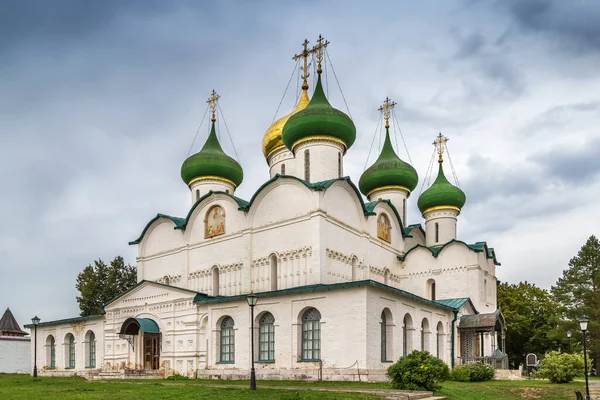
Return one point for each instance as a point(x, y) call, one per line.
point(578, 293)
point(100, 283)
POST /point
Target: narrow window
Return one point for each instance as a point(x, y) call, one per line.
point(440, 338)
point(404, 212)
point(437, 232)
point(51, 355)
point(197, 194)
point(92, 350)
point(311, 335)
point(404, 337)
point(282, 169)
point(273, 272)
point(485, 290)
point(423, 335)
point(433, 291)
point(383, 337)
point(307, 165)
point(71, 342)
point(215, 279)
point(227, 340)
point(266, 335)
point(339, 165)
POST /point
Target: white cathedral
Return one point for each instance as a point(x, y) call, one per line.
point(344, 286)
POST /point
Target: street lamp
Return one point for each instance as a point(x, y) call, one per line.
point(583, 324)
point(252, 299)
point(569, 336)
point(35, 321)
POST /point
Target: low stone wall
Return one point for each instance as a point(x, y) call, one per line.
point(508, 375)
point(327, 374)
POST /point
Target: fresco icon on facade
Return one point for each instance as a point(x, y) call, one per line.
point(215, 222)
point(384, 228)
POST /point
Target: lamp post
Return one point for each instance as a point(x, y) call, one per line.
point(252, 299)
point(35, 321)
point(583, 324)
point(569, 336)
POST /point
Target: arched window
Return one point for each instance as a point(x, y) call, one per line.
point(424, 334)
point(407, 328)
point(440, 340)
point(197, 194)
point(91, 350)
point(431, 289)
point(437, 232)
point(214, 223)
point(227, 341)
point(354, 268)
point(51, 352)
point(215, 281)
point(311, 335)
point(404, 212)
point(386, 335)
point(70, 340)
point(485, 290)
point(166, 280)
point(386, 276)
point(266, 338)
point(282, 169)
point(307, 165)
point(339, 165)
point(273, 260)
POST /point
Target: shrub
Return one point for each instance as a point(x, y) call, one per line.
point(418, 370)
point(561, 367)
point(177, 377)
point(481, 372)
point(461, 373)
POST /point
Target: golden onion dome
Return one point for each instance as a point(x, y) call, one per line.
point(272, 139)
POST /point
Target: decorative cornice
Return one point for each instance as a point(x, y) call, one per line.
point(391, 187)
point(317, 139)
point(212, 178)
point(437, 208)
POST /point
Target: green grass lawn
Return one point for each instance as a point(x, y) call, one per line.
point(23, 387)
point(510, 390)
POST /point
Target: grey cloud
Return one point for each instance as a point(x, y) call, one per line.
point(572, 166)
point(470, 46)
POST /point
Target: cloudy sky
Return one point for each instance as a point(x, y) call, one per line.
point(100, 102)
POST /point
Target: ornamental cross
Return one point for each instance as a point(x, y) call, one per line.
point(212, 100)
point(321, 45)
point(386, 108)
point(305, 53)
point(440, 143)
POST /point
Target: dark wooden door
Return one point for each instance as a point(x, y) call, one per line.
point(151, 351)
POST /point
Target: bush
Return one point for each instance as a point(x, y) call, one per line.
point(481, 372)
point(475, 372)
point(418, 370)
point(177, 377)
point(561, 367)
point(461, 373)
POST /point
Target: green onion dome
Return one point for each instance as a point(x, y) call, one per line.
point(211, 163)
point(442, 194)
point(319, 120)
point(389, 171)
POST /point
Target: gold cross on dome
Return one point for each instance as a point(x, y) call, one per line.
point(305, 53)
point(386, 108)
point(318, 49)
point(440, 143)
point(212, 100)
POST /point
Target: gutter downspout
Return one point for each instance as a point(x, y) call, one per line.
point(453, 337)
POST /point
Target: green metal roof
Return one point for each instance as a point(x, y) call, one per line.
point(205, 299)
point(67, 320)
point(456, 303)
point(476, 321)
point(441, 193)
point(148, 325)
point(409, 228)
point(436, 250)
point(388, 170)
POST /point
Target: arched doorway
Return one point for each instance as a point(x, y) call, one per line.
point(145, 333)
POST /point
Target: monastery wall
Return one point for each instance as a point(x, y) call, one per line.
point(15, 355)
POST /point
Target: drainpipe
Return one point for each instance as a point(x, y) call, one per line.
point(453, 335)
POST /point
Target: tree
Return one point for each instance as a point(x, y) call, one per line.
point(100, 283)
point(531, 316)
point(578, 293)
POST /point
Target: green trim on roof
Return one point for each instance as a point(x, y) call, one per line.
point(370, 206)
point(204, 299)
point(242, 204)
point(409, 228)
point(436, 250)
point(67, 320)
point(151, 282)
point(176, 220)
